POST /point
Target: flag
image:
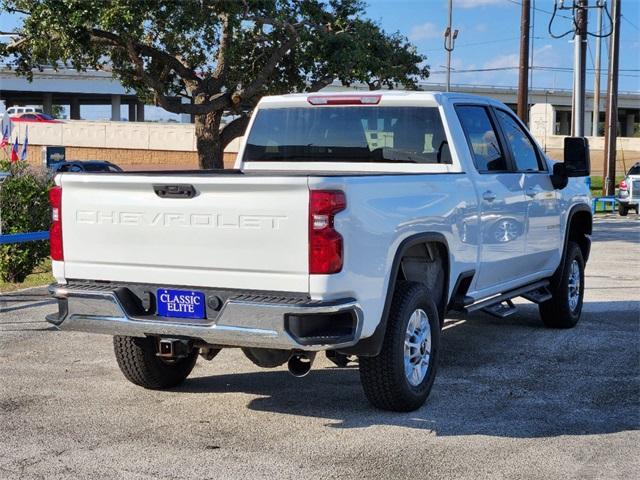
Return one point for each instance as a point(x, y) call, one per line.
point(6, 127)
point(14, 151)
point(5, 136)
point(23, 154)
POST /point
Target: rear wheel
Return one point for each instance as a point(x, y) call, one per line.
point(401, 376)
point(623, 209)
point(140, 364)
point(565, 306)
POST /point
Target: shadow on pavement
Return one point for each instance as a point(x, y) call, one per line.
point(6, 309)
point(616, 231)
point(505, 378)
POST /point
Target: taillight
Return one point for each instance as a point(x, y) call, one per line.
point(55, 232)
point(623, 185)
point(325, 243)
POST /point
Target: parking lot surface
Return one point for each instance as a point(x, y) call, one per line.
point(512, 400)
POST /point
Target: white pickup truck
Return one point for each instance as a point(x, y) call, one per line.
point(351, 224)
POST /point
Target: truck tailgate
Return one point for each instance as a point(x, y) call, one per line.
point(236, 232)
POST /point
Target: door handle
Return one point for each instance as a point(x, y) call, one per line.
point(489, 196)
point(532, 191)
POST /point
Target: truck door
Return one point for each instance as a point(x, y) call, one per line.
point(503, 206)
point(543, 245)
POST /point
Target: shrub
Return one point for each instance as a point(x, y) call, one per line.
point(24, 207)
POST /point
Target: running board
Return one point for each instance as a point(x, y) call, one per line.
point(501, 305)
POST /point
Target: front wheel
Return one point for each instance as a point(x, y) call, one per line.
point(401, 376)
point(140, 364)
point(565, 306)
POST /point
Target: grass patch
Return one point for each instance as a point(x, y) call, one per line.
point(41, 275)
point(596, 184)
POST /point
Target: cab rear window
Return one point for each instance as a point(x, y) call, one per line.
point(348, 134)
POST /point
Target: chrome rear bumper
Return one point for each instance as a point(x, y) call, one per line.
point(240, 322)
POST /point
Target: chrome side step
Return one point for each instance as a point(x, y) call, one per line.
point(503, 309)
point(540, 295)
point(501, 305)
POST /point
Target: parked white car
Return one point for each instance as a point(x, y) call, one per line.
point(21, 110)
point(351, 224)
point(629, 191)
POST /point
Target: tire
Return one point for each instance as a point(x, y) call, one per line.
point(623, 210)
point(559, 312)
point(139, 363)
point(383, 377)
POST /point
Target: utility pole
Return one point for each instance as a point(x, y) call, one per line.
point(579, 66)
point(611, 112)
point(449, 43)
point(523, 77)
point(596, 80)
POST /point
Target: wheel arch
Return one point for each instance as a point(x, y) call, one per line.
point(578, 228)
point(371, 346)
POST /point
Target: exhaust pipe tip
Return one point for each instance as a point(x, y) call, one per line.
point(299, 365)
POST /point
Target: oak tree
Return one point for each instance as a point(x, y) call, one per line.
point(211, 58)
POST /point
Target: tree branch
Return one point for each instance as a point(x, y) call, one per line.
point(217, 102)
point(220, 72)
point(267, 70)
point(320, 83)
point(104, 37)
point(232, 130)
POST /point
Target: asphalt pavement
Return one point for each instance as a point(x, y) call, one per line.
point(512, 400)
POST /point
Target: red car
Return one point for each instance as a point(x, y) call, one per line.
point(34, 117)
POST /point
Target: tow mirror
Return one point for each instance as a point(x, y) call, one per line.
point(576, 157)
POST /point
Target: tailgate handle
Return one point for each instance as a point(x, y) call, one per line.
point(175, 191)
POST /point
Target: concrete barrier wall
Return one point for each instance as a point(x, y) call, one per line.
point(132, 146)
point(129, 135)
point(131, 159)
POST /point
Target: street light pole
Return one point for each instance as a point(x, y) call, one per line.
point(449, 43)
point(611, 112)
point(579, 66)
point(596, 80)
point(523, 77)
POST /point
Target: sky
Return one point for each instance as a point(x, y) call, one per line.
point(488, 39)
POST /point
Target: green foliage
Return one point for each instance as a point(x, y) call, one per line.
point(24, 207)
point(223, 55)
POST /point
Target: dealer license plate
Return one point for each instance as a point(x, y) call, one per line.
point(180, 303)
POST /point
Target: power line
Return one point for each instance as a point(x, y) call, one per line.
point(539, 67)
point(629, 22)
point(538, 9)
point(473, 44)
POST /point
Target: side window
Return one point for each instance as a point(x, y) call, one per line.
point(523, 151)
point(482, 138)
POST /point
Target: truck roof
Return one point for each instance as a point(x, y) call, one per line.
point(430, 96)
